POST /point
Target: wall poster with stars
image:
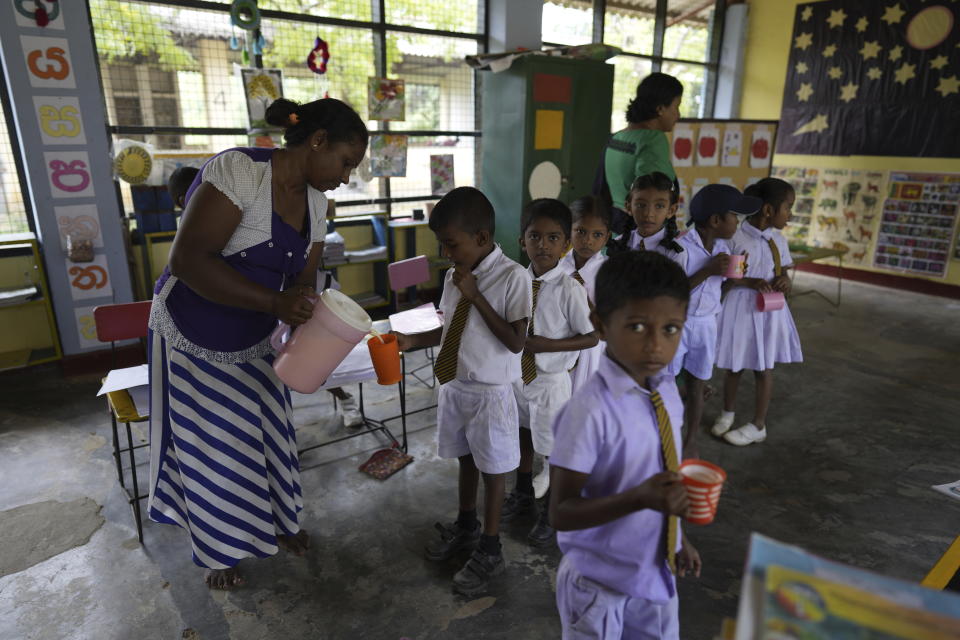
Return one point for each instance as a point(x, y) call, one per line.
point(919, 223)
point(873, 78)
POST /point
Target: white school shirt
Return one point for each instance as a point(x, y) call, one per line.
point(650, 243)
point(705, 297)
point(506, 286)
point(588, 272)
point(751, 240)
point(562, 312)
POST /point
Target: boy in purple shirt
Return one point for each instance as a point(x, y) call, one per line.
point(614, 500)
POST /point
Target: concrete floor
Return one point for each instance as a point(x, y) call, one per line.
point(858, 434)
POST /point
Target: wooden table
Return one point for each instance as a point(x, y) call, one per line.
point(810, 254)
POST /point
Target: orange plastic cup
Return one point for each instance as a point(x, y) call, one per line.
point(703, 481)
point(386, 358)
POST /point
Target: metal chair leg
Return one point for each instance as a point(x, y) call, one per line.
point(116, 449)
point(135, 498)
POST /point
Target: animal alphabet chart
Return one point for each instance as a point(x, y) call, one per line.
point(919, 223)
point(846, 211)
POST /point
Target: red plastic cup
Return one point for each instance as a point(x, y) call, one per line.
point(385, 355)
point(770, 301)
point(703, 481)
point(736, 267)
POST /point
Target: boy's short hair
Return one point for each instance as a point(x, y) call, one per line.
point(179, 182)
point(465, 208)
point(591, 207)
point(550, 209)
point(633, 275)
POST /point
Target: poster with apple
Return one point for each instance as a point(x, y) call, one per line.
point(681, 147)
point(708, 145)
point(713, 151)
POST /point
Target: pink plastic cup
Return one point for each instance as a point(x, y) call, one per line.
point(307, 356)
point(770, 301)
point(703, 481)
point(736, 267)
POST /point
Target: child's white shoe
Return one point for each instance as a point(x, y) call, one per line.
point(541, 482)
point(723, 424)
point(747, 434)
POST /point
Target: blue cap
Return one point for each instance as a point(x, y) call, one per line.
point(721, 198)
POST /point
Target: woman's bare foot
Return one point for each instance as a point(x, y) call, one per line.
point(297, 544)
point(224, 578)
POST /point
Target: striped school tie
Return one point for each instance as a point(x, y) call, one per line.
point(528, 364)
point(777, 267)
point(576, 276)
point(671, 464)
point(445, 368)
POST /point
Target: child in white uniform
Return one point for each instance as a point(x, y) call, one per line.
point(752, 339)
point(558, 330)
point(714, 212)
point(485, 303)
point(653, 203)
point(591, 231)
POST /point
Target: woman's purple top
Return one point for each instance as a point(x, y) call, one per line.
point(264, 249)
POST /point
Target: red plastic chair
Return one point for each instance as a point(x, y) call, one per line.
point(116, 322)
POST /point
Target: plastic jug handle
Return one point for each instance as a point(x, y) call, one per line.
point(279, 337)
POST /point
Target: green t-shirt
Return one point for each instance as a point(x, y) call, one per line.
point(632, 153)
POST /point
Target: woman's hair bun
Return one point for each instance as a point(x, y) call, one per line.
point(279, 112)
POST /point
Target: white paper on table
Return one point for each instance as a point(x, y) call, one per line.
point(418, 320)
point(141, 399)
point(951, 489)
point(125, 378)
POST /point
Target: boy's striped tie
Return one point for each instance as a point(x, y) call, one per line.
point(671, 464)
point(578, 278)
point(528, 364)
point(777, 267)
point(445, 367)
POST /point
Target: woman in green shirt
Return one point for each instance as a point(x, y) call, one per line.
point(642, 147)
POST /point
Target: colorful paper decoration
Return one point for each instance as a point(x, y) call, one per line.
point(708, 146)
point(320, 50)
point(548, 87)
point(245, 14)
point(761, 147)
point(545, 181)
point(388, 156)
point(133, 164)
point(441, 174)
point(386, 99)
point(681, 149)
point(260, 88)
point(732, 146)
point(548, 130)
point(805, 182)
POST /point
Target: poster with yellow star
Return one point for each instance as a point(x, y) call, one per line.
point(873, 78)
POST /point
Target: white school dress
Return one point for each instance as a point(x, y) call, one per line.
point(751, 339)
point(698, 344)
point(589, 359)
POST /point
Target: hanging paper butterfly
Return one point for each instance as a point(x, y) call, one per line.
point(321, 49)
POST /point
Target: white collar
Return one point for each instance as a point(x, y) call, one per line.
point(549, 276)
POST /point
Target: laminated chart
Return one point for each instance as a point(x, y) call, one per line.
point(918, 224)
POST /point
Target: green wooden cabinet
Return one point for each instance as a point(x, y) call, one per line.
point(545, 123)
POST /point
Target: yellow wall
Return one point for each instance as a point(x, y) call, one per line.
point(769, 38)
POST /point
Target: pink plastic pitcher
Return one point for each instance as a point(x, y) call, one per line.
point(306, 358)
